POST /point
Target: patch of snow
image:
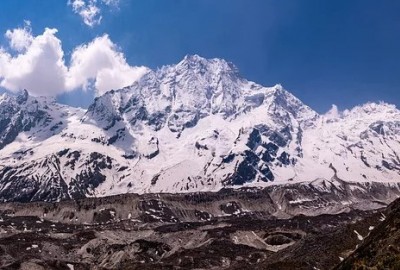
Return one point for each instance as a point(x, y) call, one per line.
point(359, 236)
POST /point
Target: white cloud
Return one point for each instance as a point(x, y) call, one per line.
point(111, 2)
point(77, 4)
point(20, 38)
point(90, 10)
point(100, 60)
point(39, 64)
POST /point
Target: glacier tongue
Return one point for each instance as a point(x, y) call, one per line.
point(194, 126)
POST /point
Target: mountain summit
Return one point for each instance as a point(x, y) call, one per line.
point(194, 126)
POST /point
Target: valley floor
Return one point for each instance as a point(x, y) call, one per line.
point(167, 233)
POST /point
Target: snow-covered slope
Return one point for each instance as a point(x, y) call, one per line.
point(194, 126)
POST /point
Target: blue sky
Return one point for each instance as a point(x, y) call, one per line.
point(325, 52)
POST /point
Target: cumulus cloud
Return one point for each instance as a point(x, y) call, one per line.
point(101, 61)
point(37, 63)
point(20, 38)
point(90, 10)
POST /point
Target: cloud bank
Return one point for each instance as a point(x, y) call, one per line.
point(90, 10)
point(37, 63)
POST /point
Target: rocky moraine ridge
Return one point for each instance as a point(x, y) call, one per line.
point(230, 229)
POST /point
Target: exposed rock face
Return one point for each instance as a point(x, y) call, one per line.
point(20, 114)
point(194, 126)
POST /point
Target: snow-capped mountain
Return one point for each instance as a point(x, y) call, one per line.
point(194, 126)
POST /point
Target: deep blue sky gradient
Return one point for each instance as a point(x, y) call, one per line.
point(344, 52)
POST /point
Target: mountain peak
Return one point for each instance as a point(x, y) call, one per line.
point(193, 58)
point(191, 126)
point(202, 65)
point(371, 108)
point(22, 96)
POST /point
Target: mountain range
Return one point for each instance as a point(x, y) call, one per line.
point(194, 126)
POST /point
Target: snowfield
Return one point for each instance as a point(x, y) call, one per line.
point(194, 126)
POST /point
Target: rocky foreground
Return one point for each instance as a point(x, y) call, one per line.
point(381, 249)
point(230, 229)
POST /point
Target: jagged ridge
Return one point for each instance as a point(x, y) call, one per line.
point(197, 125)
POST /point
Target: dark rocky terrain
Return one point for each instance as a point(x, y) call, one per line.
point(381, 249)
point(229, 229)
